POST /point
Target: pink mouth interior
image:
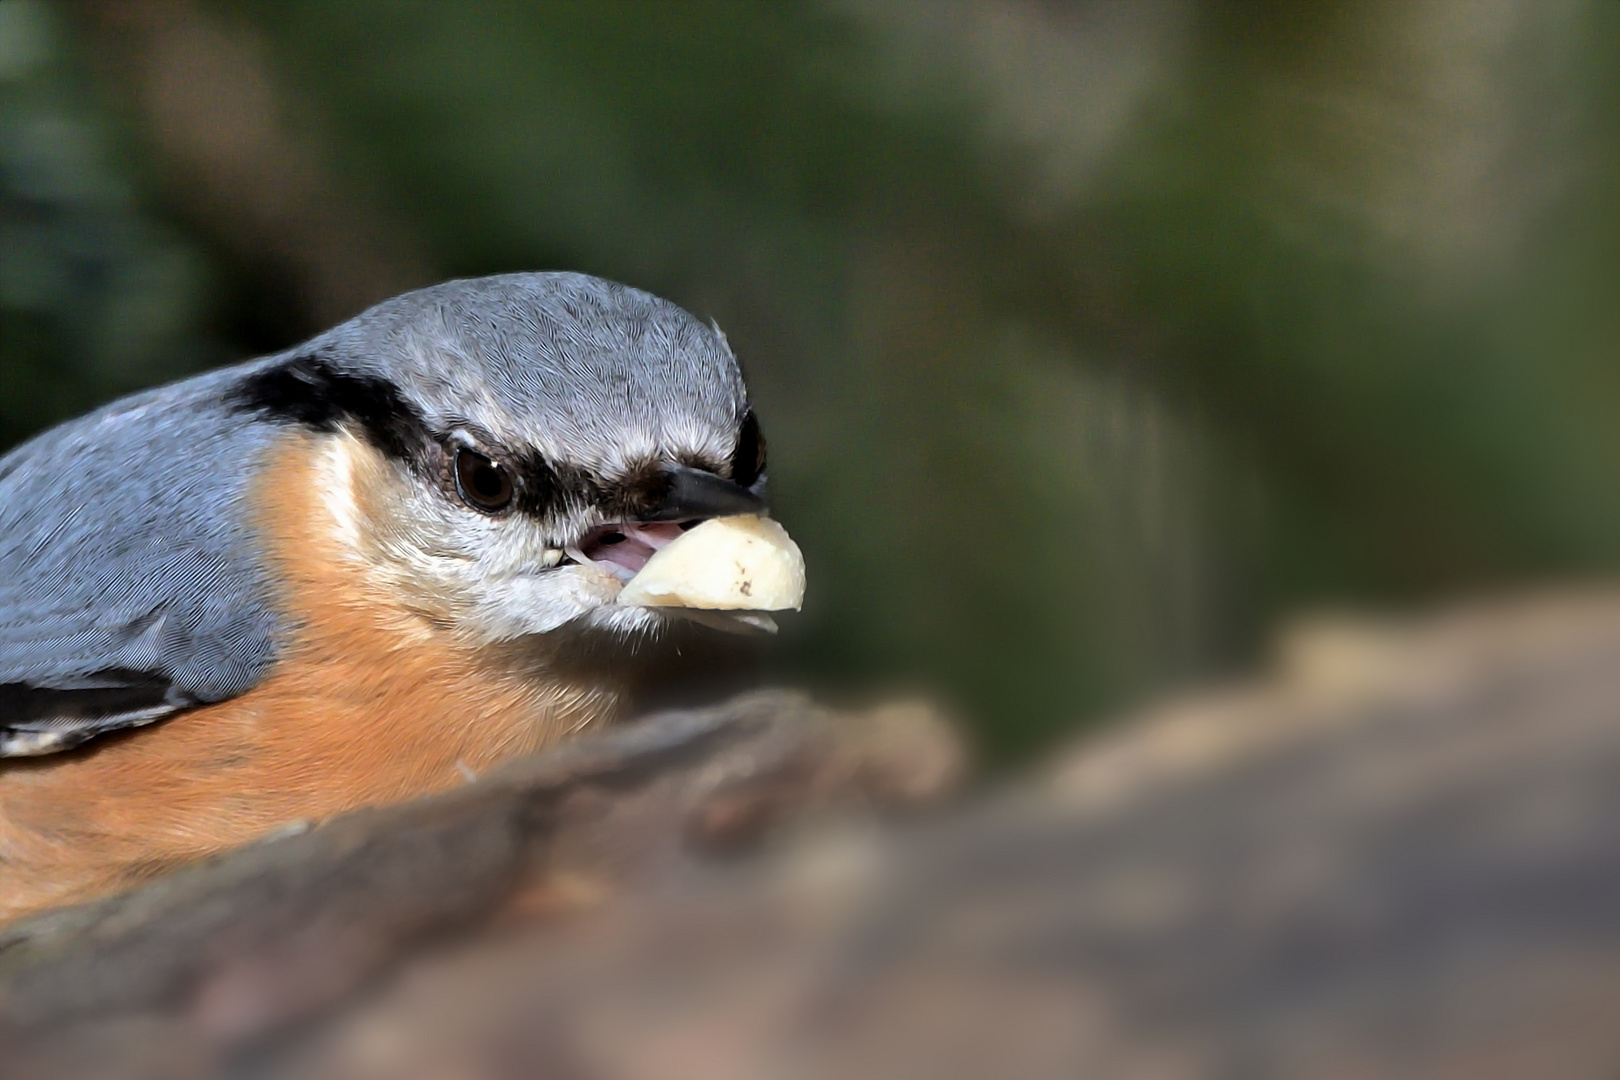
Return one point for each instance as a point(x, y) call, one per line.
point(623, 547)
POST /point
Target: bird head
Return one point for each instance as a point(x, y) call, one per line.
point(506, 453)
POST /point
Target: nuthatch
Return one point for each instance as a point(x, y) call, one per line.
point(356, 571)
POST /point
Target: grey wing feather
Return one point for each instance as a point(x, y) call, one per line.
point(131, 584)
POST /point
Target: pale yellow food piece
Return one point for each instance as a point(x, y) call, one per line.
point(744, 563)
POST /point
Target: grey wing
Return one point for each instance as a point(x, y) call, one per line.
point(131, 585)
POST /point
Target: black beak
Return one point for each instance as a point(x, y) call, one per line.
point(693, 493)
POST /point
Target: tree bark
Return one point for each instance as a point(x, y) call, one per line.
point(1395, 855)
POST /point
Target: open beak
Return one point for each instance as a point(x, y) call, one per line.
point(705, 551)
point(690, 497)
point(726, 572)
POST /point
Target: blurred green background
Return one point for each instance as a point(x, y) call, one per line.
point(1090, 338)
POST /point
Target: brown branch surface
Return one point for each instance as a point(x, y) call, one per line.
point(1395, 856)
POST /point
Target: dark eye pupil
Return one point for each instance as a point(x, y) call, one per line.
point(487, 482)
point(482, 483)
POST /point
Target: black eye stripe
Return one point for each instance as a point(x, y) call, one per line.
point(748, 461)
point(549, 489)
point(312, 391)
point(526, 481)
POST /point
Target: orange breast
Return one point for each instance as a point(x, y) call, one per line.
point(371, 702)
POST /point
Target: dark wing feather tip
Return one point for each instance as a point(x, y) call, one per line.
point(37, 720)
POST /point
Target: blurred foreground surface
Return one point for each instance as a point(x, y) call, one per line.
point(1393, 856)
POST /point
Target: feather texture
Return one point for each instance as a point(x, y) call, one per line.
point(133, 583)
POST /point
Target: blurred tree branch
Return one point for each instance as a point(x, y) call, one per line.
point(236, 155)
point(1391, 856)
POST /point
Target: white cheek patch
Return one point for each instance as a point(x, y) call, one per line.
point(539, 603)
point(338, 462)
point(493, 578)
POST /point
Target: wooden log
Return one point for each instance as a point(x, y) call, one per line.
point(1396, 855)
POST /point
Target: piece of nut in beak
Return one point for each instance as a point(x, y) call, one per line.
point(744, 563)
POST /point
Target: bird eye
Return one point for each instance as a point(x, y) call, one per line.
point(483, 484)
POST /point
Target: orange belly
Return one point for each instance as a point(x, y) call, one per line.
point(372, 702)
point(101, 819)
